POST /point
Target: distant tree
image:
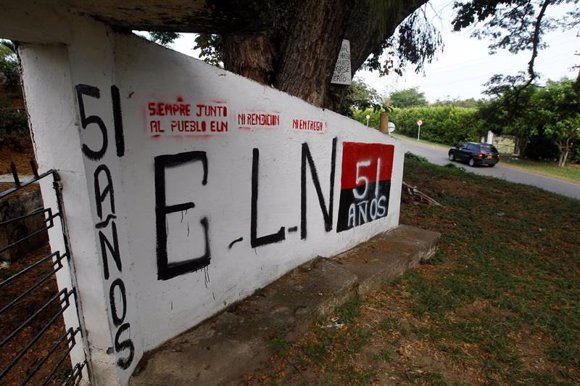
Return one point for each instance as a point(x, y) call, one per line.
point(360, 96)
point(211, 48)
point(468, 103)
point(9, 67)
point(163, 38)
point(13, 117)
point(410, 97)
point(442, 124)
point(514, 25)
point(508, 112)
point(557, 110)
point(293, 45)
point(552, 112)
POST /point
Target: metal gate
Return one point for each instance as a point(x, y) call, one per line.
point(37, 294)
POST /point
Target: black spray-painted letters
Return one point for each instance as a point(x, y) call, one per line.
point(166, 270)
point(105, 208)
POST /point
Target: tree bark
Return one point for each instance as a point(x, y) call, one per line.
point(250, 56)
point(311, 47)
point(299, 53)
point(564, 147)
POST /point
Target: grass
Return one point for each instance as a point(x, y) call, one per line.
point(498, 304)
point(570, 172)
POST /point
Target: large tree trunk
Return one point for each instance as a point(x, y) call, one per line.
point(299, 53)
point(310, 49)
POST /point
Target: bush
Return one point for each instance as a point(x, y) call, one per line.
point(541, 148)
point(13, 122)
point(415, 157)
point(442, 124)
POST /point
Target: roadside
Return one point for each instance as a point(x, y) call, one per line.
point(498, 304)
point(569, 173)
point(438, 156)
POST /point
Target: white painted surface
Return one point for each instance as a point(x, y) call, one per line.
point(342, 69)
point(264, 160)
point(489, 137)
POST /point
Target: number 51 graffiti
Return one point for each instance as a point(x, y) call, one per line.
point(364, 195)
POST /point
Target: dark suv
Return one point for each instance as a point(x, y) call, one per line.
point(474, 153)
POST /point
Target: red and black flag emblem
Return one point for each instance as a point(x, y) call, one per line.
point(365, 183)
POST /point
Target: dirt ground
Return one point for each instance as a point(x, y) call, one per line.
point(16, 315)
point(17, 149)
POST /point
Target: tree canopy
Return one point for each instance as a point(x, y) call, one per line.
point(410, 97)
point(360, 96)
point(296, 48)
point(551, 112)
point(9, 72)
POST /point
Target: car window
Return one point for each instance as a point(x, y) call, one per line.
point(489, 148)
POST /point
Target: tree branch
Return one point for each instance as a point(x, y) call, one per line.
point(536, 41)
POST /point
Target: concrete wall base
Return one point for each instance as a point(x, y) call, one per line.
point(223, 349)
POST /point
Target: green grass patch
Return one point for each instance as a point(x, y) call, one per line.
point(570, 172)
point(499, 304)
point(516, 251)
point(280, 345)
point(350, 310)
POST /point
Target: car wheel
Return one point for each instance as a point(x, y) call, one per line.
point(451, 157)
point(471, 162)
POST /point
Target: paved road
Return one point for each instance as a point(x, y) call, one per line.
point(438, 155)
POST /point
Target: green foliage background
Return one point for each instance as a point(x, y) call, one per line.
point(13, 117)
point(442, 124)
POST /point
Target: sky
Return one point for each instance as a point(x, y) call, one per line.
point(465, 65)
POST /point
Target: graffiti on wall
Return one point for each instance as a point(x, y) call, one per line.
point(182, 118)
point(106, 227)
point(165, 269)
point(169, 267)
point(257, 120)
point(312, 125)
point(365, 184)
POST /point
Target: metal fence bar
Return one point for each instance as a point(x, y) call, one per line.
point(15, 174)
point(21, 185)
point(44, 367)
point(77, 374)
point(57, 186)
point(29, 268)
point(69, 337)
point(28, 237)
point(36, 337)
point(64, 292)
point(48, 220)
point(36, 285)
point(31, 214)
point(59, 363)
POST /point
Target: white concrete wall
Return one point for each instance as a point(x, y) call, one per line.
point(239, 206)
